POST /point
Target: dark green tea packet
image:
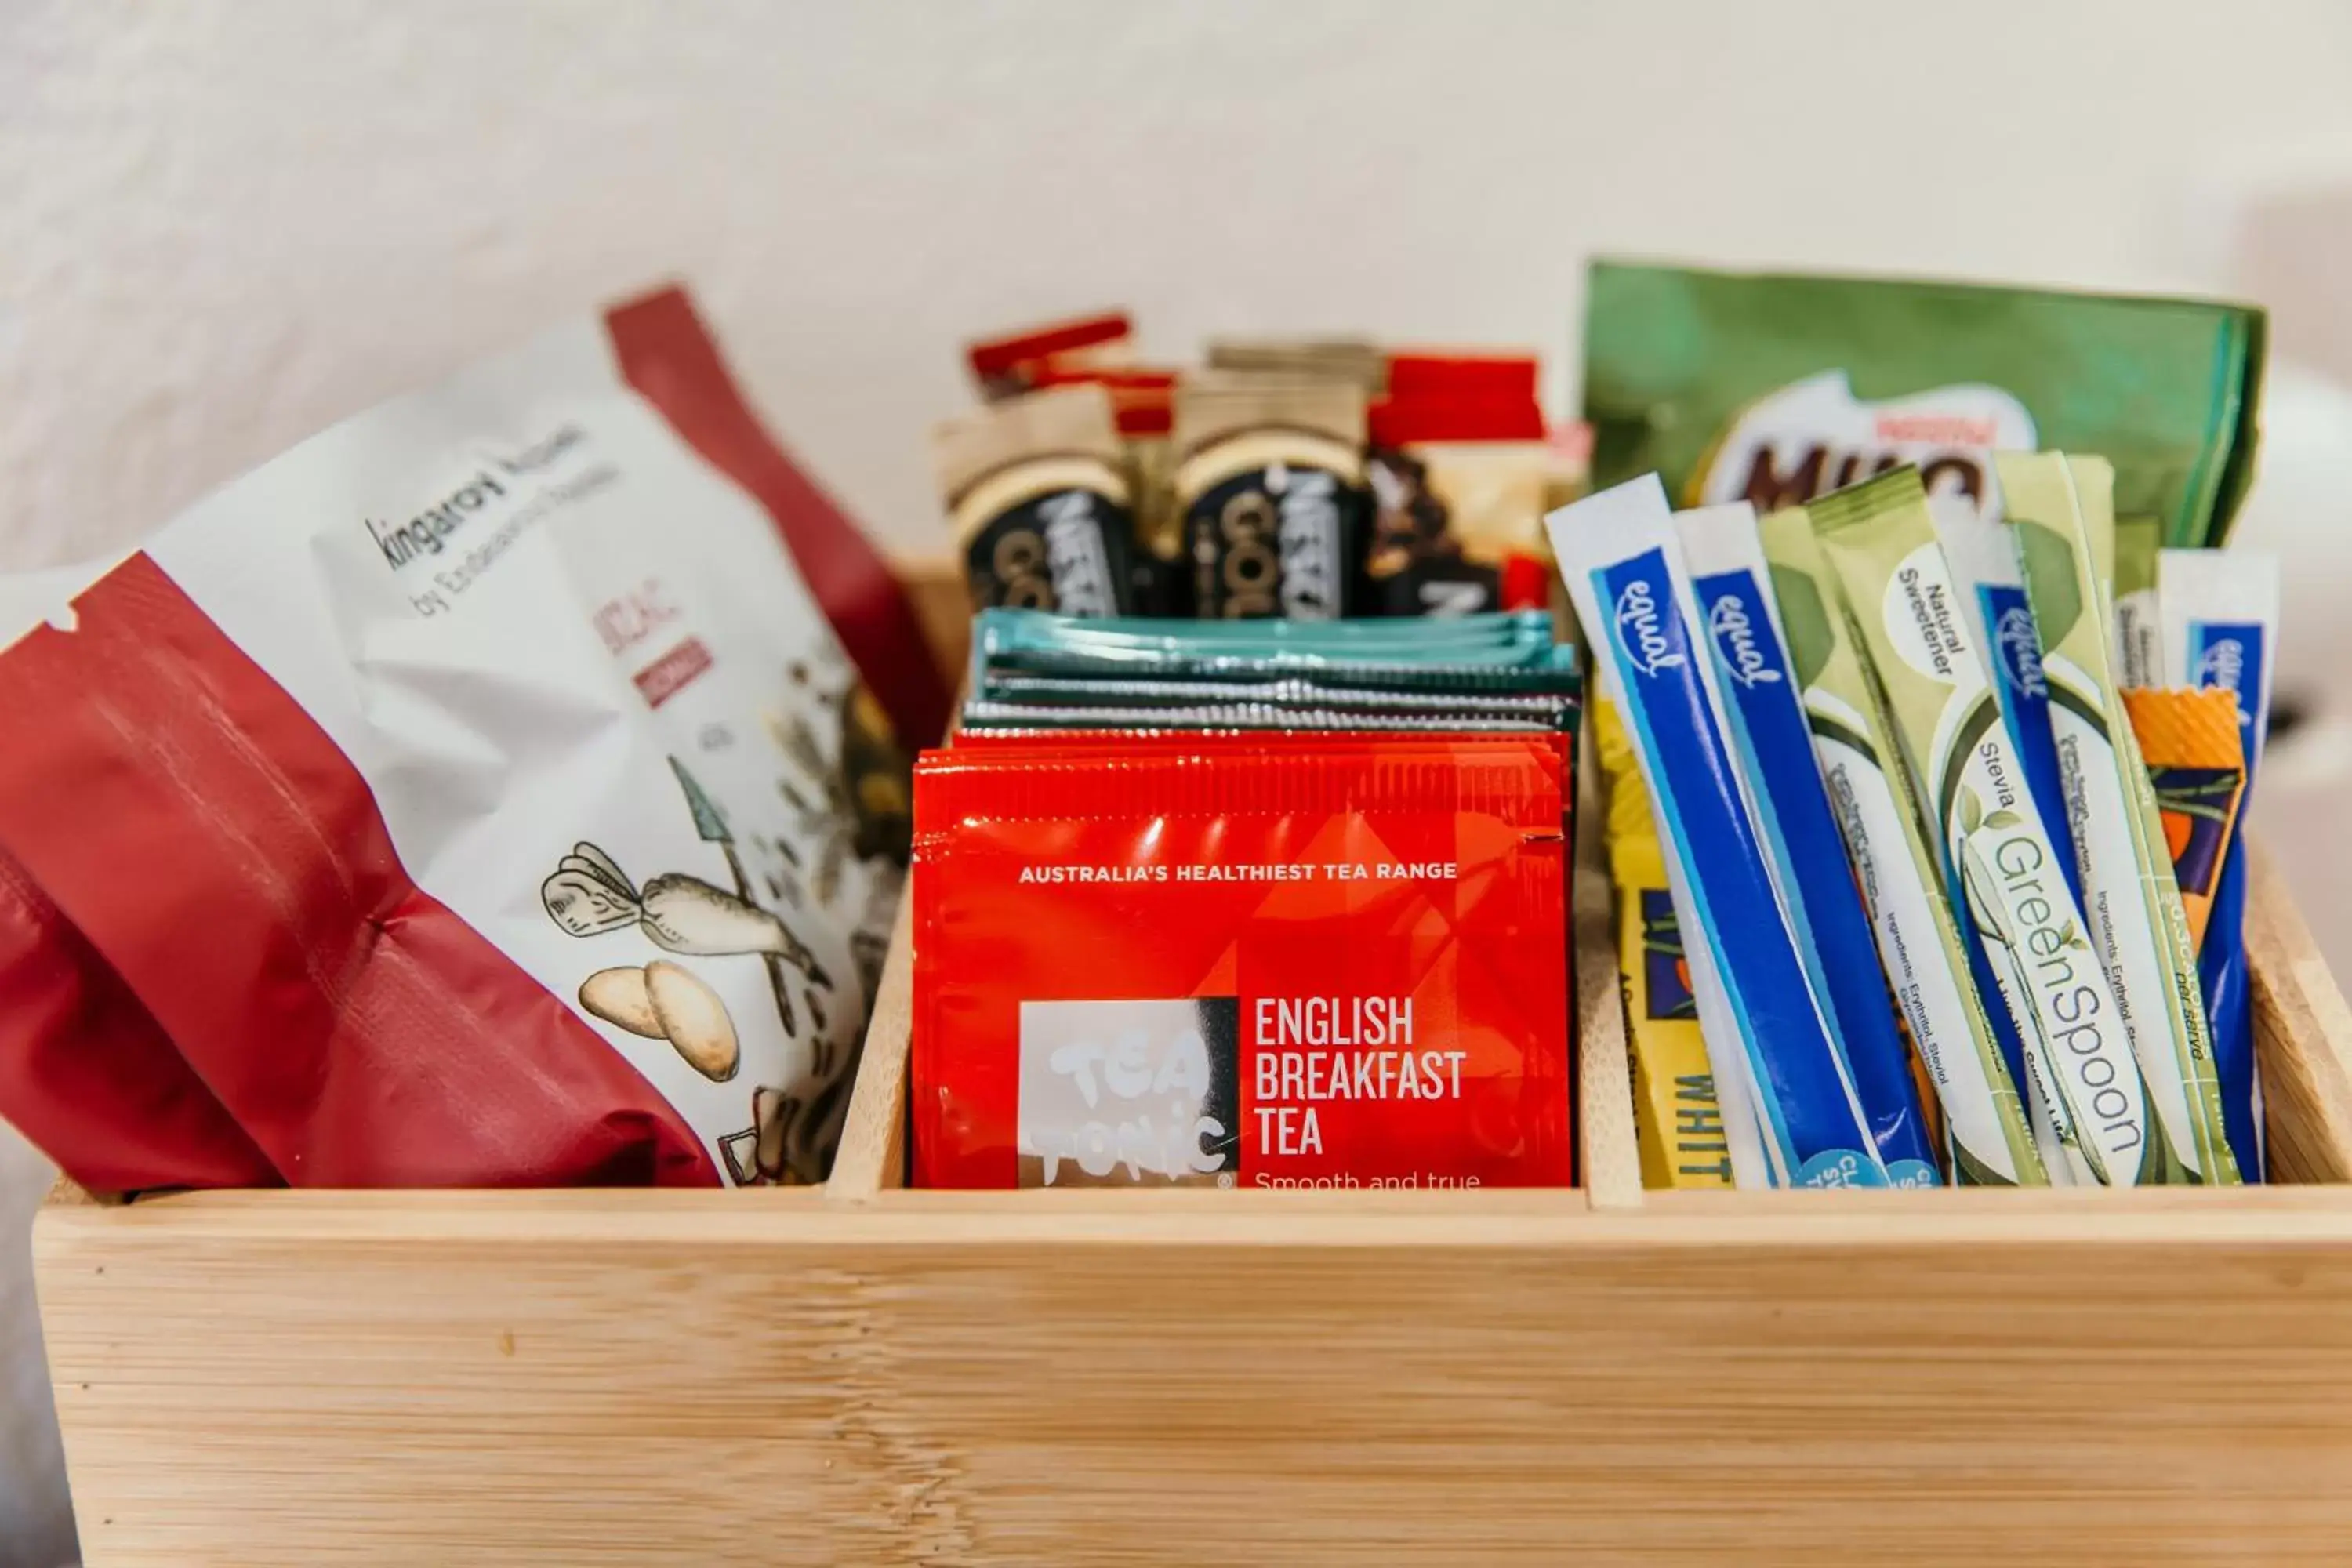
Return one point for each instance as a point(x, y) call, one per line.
point(1553, 669)
point(1287, 689)
point(1779, 389)
point(983, 715)
point(1478, 673)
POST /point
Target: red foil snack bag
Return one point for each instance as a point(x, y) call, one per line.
point(496, 790)
point(1266, 962)
point(88, 1074)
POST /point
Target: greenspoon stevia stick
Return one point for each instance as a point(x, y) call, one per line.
point(2061, 509)
point(1903, 602)
point(1919, 942)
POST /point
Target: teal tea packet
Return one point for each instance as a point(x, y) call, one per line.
point(1015, 686)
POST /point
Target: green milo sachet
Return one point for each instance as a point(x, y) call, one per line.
point(1779, 389)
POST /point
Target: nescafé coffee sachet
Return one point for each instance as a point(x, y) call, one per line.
point(1038, 491)
point(1269, 481)
point(1143, 405)
point(1307, 961)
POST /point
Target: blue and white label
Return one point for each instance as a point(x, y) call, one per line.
point(1744, 655)
point(1807, 862)
point(2016, 642)
point(2229, 653)
point(2024, 695)
point(1807, 1107)
point(1642, 630)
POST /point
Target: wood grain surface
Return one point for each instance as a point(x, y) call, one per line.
point(872, 1154)
point(604, 1378)
point(2303, 1036)
point(1611, 1164)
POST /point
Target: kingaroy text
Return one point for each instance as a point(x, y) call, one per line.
point(498, 488)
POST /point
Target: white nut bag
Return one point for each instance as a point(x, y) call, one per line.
point(478, 794)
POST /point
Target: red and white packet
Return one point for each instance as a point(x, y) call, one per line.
point(337, 820)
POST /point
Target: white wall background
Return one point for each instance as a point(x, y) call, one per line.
point(223, 225)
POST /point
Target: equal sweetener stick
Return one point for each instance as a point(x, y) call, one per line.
point(1998, 862)
point(2061, 509)
point(2220, 615)
point(1739, 1116)
point(1765, 723)
point(1624, 572)
point(1900, 871)
point(1982, 551)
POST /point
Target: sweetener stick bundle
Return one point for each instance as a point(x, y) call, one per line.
point(1899, 865)
point(2001, 869)
point(1782, 787)
point(1622, 562)
point(2061, 509)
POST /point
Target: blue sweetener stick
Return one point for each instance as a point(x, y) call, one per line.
point(1773, 747)
point(1619, 554)
point(2219, 612)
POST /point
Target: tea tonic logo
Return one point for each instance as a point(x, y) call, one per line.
point(1118, 1094)
point(1642, 634)
point(1745, 658)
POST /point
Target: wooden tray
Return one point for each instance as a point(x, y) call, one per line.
point(869, 1374)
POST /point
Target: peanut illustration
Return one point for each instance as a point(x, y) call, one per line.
point(618, 996)
point(693, 1018)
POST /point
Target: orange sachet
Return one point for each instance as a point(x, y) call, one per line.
point(2190, 744)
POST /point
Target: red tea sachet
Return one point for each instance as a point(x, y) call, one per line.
point(1266, 961)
